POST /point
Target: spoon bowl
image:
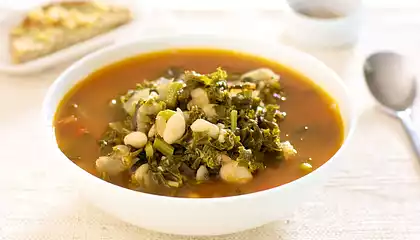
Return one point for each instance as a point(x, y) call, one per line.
point(392, 81)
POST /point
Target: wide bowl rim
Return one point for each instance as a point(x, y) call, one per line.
point(51, 92)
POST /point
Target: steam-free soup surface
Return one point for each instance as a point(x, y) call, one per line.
point(312, 124)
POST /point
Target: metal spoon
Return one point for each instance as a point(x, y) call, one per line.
point(392, 82)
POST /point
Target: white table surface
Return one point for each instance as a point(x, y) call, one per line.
point(375, 194)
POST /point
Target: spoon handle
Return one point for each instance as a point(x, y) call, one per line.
point(407, 122)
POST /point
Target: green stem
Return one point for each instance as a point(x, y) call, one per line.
point(233, 119)
point(163, 147)
point(172, 96)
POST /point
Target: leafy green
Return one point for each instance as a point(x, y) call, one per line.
point(251, 135)
point(114, 135)
point(230, 140)
point(194, 114)
point(209, 156)
point(271, 140)
point(247, 114)
point(195, 79)
point(184, 96)
point(269, 91)
point(220, 74)
point(192, 77)
point(271, 112)
point(218, 90)
point(151, 106)
point(242, 101)
point(145, 113)
point(217, 94)
point(247, 158)
point(199, 139)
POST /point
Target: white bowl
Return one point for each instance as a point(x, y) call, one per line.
point(211, 216)
point(324, 32)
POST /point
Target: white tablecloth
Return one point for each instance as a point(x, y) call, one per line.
point(375, 194)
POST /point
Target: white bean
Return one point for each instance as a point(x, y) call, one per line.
point(130, 105)
point(148, 181)
point(121, 150)
point(141, 173)
point(136, 139)
point(153, 95)
point(109, 165)
point(175, 128)
point(225, 159)
point(233, 173)
point(202, 173)
point(152, 131)
point(162, 88)
point(199, 97)
point(209, 110)
point(201, 125)
point(222, 135)
point(160, 125)
point(261, 74)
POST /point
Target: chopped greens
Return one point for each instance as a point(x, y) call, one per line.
point(196, 127)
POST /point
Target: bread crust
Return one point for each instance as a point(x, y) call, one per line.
point(56, 26)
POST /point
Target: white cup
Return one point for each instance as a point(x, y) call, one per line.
point(323, 23)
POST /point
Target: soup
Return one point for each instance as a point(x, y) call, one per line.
point(190, 131)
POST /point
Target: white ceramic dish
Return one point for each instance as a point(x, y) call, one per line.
point(198, 216)
point(324, 32)
point(13, 17)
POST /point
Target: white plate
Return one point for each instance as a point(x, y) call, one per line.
point(70, 53)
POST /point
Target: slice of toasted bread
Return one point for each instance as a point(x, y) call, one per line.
point(59, 25)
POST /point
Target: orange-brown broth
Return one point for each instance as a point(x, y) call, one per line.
point(306, 105)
